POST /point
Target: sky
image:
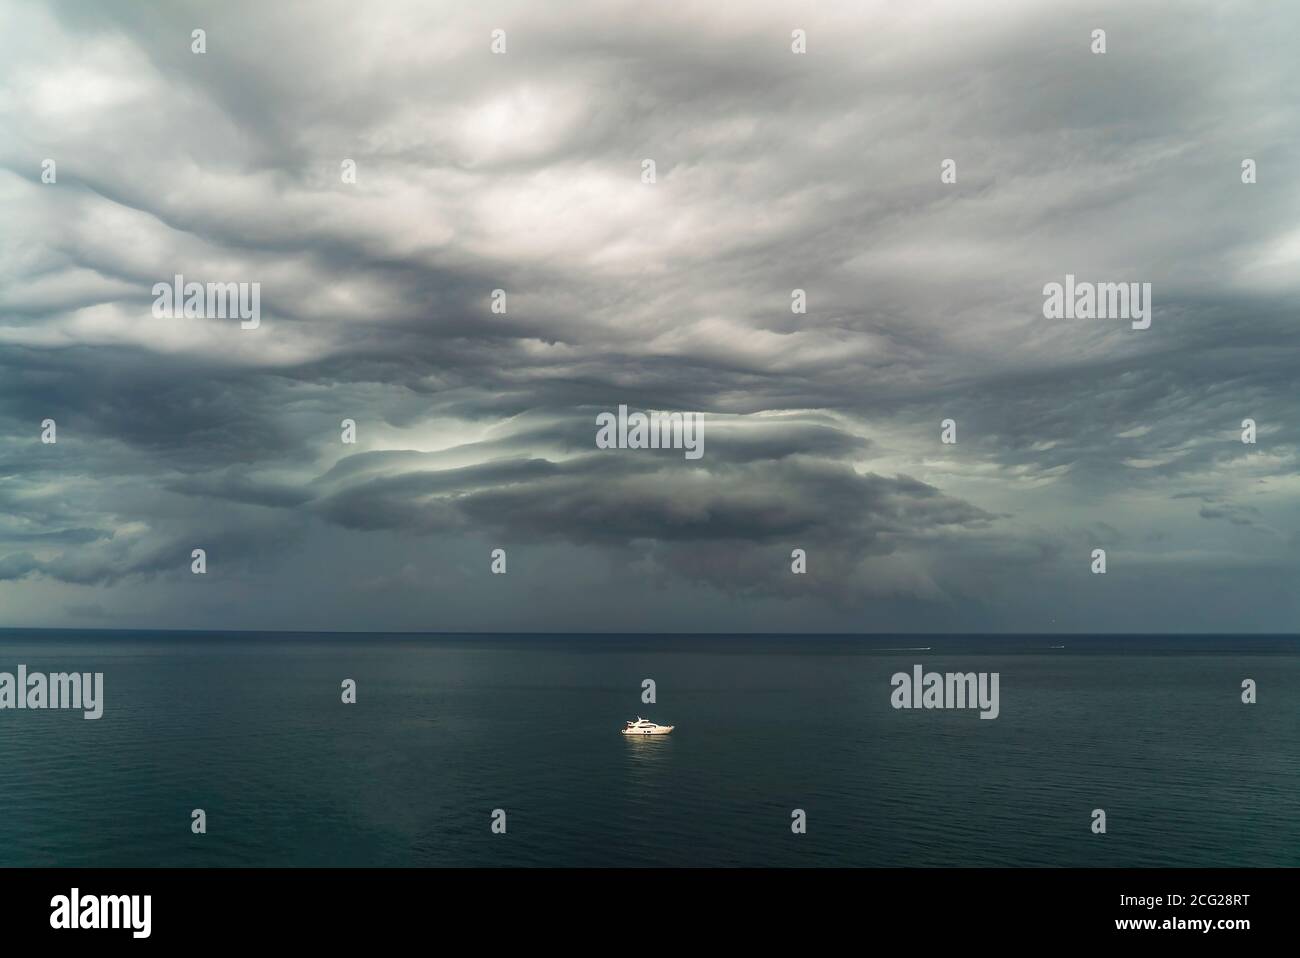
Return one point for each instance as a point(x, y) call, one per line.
point(774, 171)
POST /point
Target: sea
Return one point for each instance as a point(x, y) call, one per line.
point(451, 735)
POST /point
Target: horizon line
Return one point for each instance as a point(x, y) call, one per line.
point(599, 632)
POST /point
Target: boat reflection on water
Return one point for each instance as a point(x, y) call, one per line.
point(649, 760)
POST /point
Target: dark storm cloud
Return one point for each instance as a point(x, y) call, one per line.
point(168, 556)
point(775, 172)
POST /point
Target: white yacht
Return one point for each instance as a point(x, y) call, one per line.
point(643, 727)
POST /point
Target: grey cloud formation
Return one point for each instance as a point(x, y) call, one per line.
point(775, 172)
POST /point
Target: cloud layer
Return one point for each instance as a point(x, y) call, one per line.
point(775, 172)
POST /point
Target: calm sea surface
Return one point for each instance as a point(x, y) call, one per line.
point(250, 728)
